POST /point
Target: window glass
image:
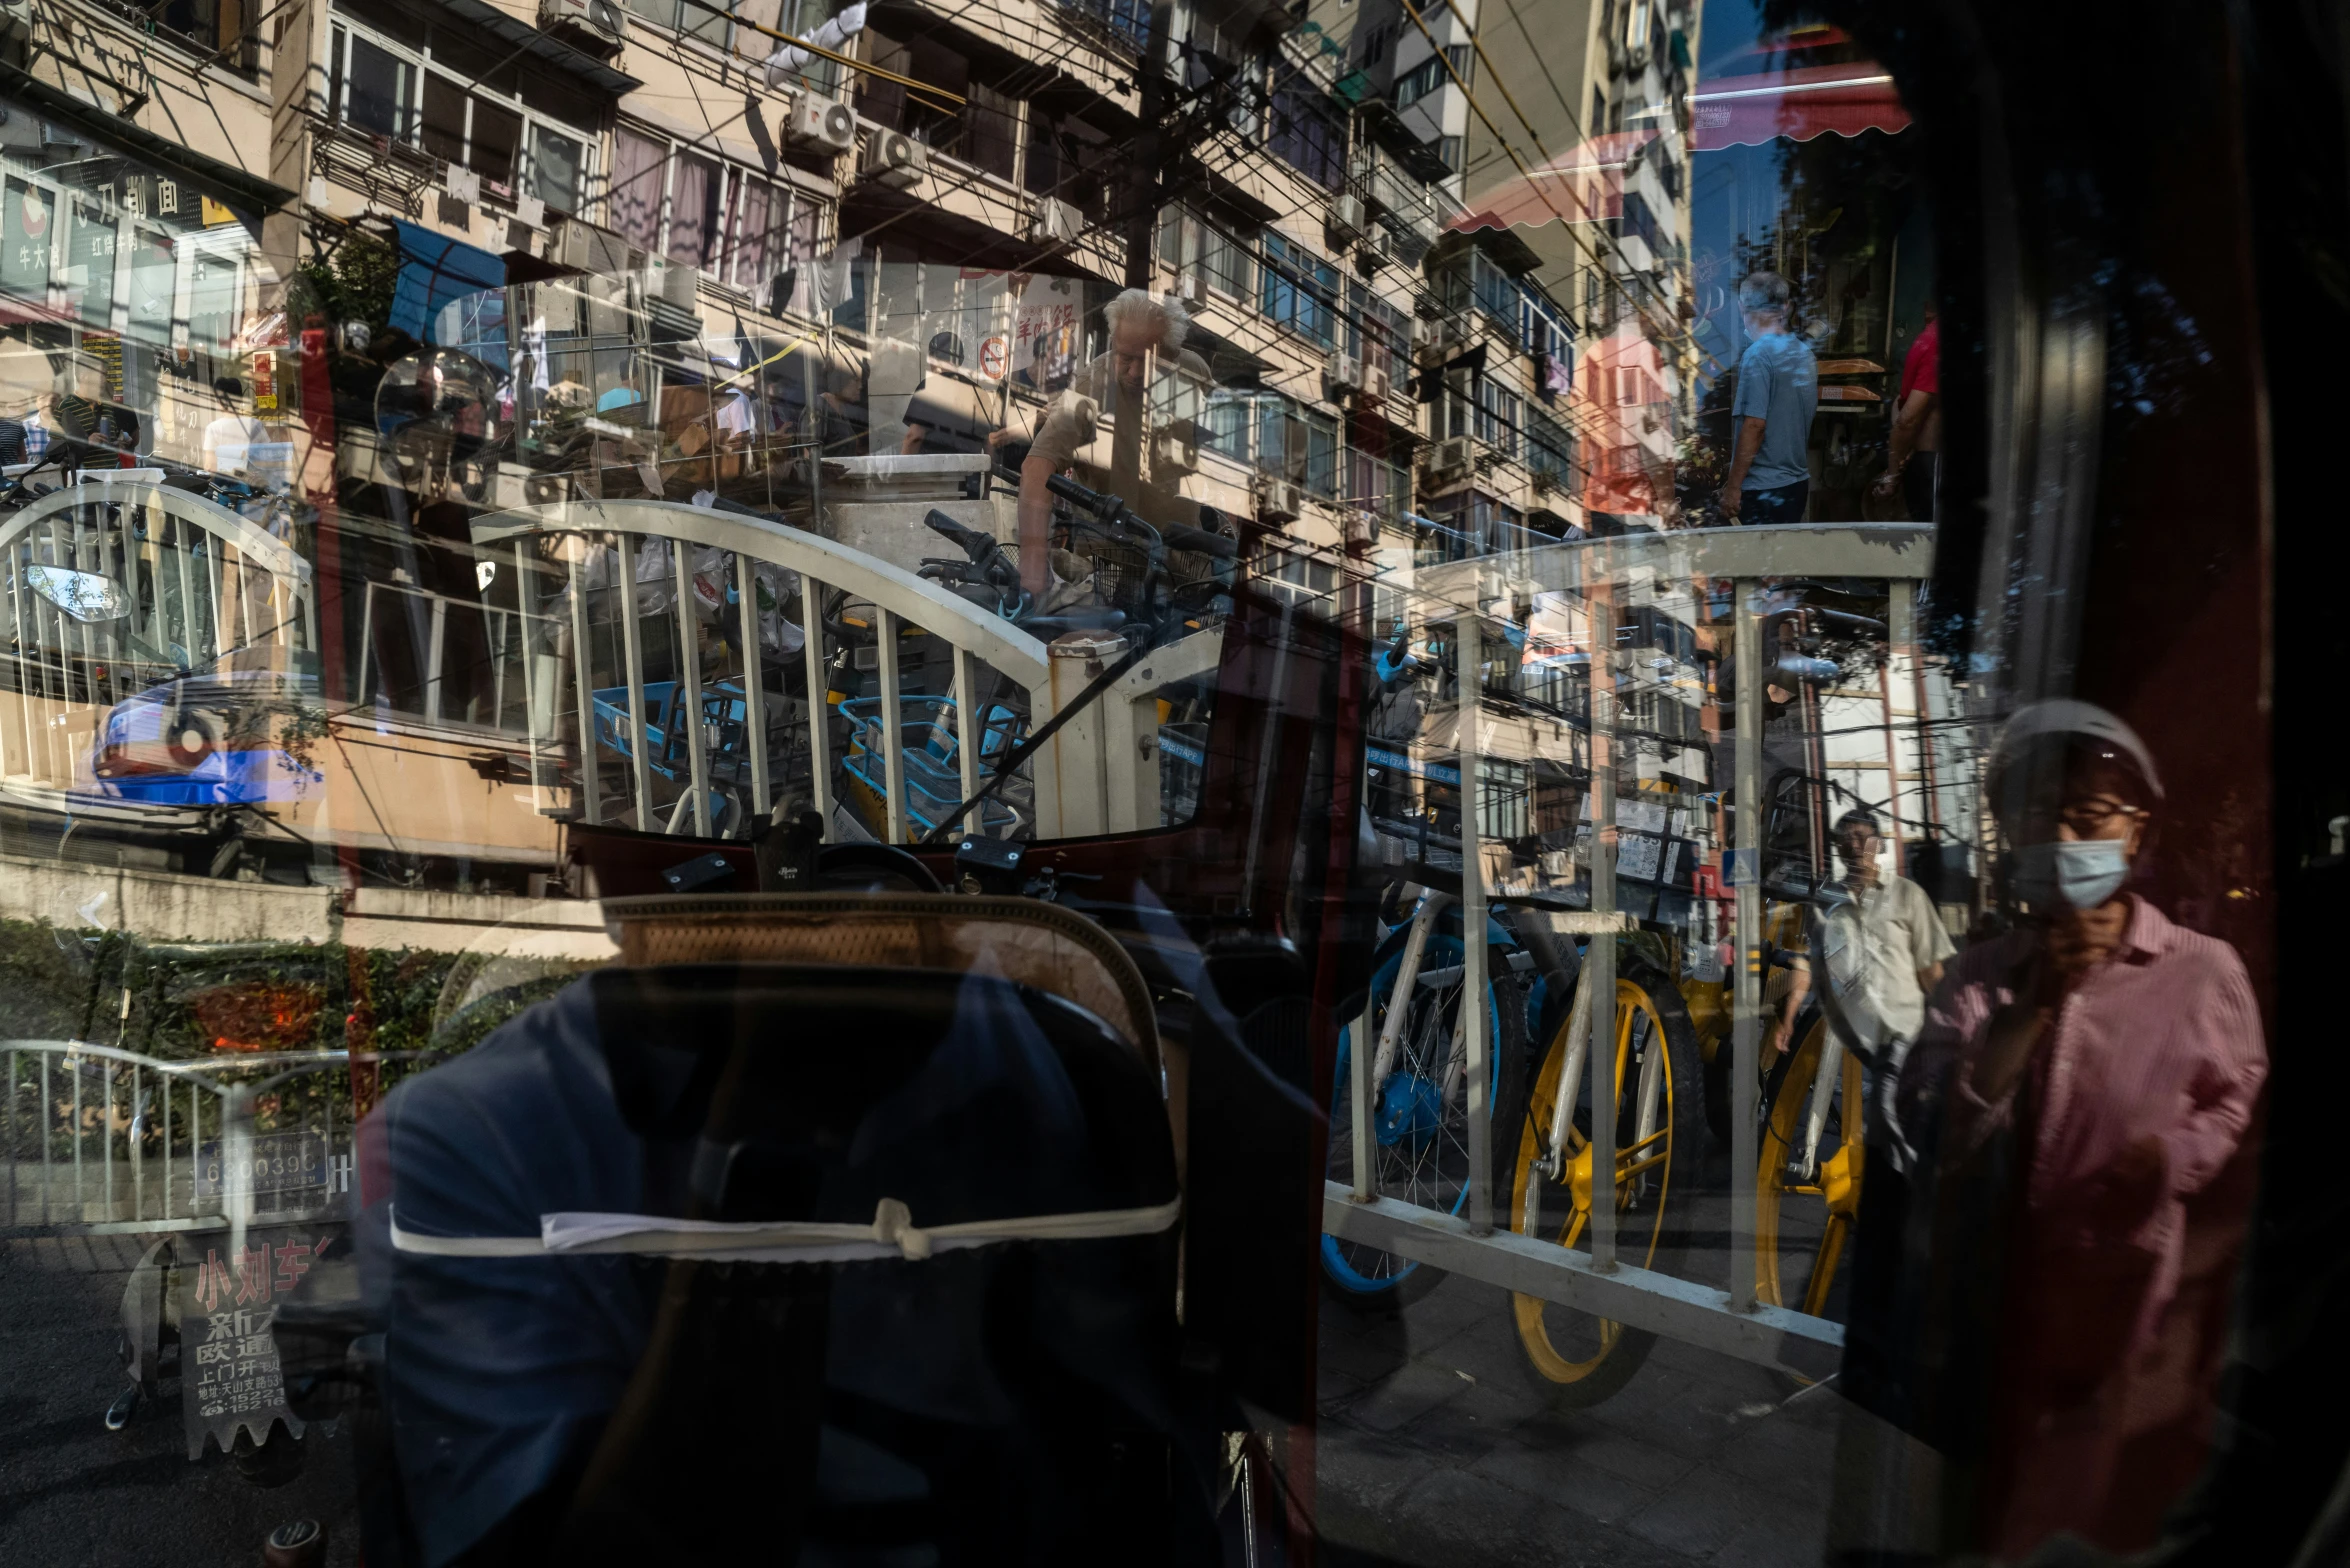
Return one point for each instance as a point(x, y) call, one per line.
point(640, 166)
point(696, 190)
point(379, 93)
point(496, 142)
point(556, 169)
point(444, 123)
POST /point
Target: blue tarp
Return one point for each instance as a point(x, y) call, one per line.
point(434, 271)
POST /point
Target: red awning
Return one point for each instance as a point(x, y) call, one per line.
point(1581, 185)
point(1745, 111)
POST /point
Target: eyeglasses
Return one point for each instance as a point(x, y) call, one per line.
point(2090, 816)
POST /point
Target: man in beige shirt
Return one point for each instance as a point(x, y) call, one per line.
point(1146, 338)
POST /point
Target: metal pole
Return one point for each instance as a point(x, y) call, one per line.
point(970, 733)
point(746, 587)
point(893, 737)
point(819, 701)
point(1358, 1068)
point(1746, 1008)
point(632, 654)
point(1469, 657)
point(689, 672)
point(1599, 968)
point(583, 672)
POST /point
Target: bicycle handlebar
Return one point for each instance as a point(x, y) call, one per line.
point(1111, 509)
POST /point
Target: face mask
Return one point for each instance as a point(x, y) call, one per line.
point(2078, 875)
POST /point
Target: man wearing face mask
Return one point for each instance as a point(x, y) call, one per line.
point(2080, 1097)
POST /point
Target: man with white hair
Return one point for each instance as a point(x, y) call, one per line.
point(1778, 392)
point(1146, 339)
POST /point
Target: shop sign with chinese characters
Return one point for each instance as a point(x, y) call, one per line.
point(230, 1373)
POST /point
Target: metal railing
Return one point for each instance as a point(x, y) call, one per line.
point(615, 533)
point(97, 1138)
point(1478, 597)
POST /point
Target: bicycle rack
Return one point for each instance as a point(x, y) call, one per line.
point(1080, 786)
point(1727, 1318)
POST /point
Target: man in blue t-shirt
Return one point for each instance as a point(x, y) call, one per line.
point(1778, 391)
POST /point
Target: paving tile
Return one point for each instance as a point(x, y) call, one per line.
point(1562, 1477)
point(1408, 1396)
point(1701, 1514)
point(1788, 1459)
point(1363, 1469)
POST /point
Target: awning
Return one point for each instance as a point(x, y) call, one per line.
point(245, 194)
point(434, 271)
point(1799, 104)
point(1582, 185)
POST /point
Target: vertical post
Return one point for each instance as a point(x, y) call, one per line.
point(970, 732)
point(689, 675)
point(582, 673)
point(437, 640)
point(1599, 969)
point(166, 1214)
point(534, 716)
point(746, 588)
point(640, 768)
point(1469, 664)
point(893, 734)
point(1358, 1071)
point(1746, 1008)
point(819, 698)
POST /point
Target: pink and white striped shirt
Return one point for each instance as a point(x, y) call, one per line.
point(2116, 1289)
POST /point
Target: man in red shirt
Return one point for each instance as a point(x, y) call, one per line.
point(1913, 459)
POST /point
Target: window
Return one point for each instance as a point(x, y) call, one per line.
point(639, 170)
point(696, 185)
point(1549, 449)
point(1224, 262)
point(1494, 292)
point(1379, 333)
point(521, 133)
point(701, 212)
point(1309, 135)
point(703, 19)
point(1296, 442)
point(991, 132)
point(379, 90)
point(1497, 417)
point(1431, 76)
point(223, 26)
point(1299, 291)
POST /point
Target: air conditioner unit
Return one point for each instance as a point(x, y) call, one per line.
point(589, 248)
point(1342, 376)
point(598, 26)
point(1174, 452)
point(1278, 500)
point(825, 124)
point(1376, 385)
point(1449, 461)
point(1362, 529)
point(1055, 220)
point(1345, 221)
point(1192, 289)
point(1434, 342)
point(893, 158)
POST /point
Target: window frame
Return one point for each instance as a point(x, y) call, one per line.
point(347, 32)
point(728, 249)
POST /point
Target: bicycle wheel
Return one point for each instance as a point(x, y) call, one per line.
point(1578, 1358)
point(1836, 1182)
point(1419, 1116)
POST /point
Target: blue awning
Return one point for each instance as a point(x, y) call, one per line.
point(434, 270)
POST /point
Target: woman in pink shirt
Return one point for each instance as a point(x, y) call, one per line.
point(2081, 1094)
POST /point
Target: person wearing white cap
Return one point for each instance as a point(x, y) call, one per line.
point(2080, 1098)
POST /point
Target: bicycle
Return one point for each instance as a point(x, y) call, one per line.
point(1581, 1359)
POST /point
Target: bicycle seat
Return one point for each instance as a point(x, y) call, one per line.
point(1023, 940)
point(979, 1388)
